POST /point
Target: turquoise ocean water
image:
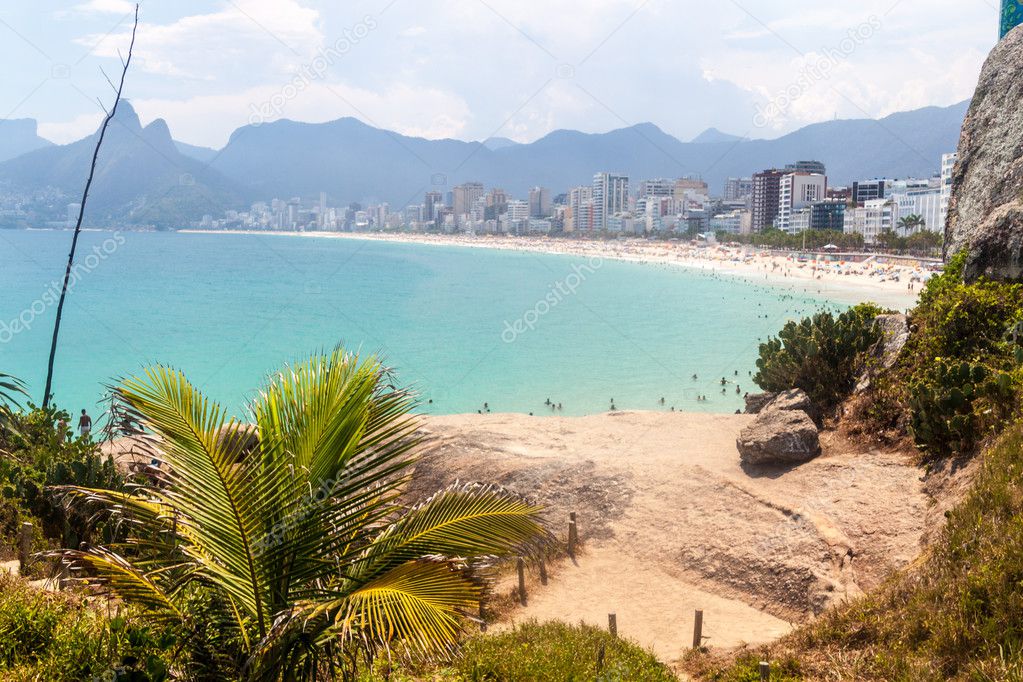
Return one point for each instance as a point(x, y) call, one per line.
point(463, 326)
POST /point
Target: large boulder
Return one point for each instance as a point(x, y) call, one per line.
point(779, 436)
point(755, 402)
point(985, 213)
point(793, 399)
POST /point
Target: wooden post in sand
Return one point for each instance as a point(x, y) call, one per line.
point(522, 581)
point(765, 671)
point(573, 534)
point(612, 624)
point(543, 572)
point(24, 547)
point(698, 630)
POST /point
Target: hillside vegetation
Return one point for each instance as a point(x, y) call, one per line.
point(954, 392)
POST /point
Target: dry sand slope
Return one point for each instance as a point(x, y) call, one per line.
point(672, 523)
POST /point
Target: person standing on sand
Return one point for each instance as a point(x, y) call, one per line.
point(84, 424)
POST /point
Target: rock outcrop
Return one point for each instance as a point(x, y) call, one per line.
point(986, 209)
point(779, 436)
point(894, 335)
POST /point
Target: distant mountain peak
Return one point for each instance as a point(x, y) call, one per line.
point(495, 143)
point(714, 136)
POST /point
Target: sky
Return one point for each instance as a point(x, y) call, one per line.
point(473, 69)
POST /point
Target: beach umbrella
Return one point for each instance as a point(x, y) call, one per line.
point(831, 247)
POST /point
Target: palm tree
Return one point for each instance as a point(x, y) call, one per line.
point(295, 526)
point(911, 223)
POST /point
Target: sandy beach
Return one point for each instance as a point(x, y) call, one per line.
point(893, 285)
point(672, 523)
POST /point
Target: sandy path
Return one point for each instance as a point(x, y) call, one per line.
point(671, 522)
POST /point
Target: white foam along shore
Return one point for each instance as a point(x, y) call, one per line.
point(891, 284)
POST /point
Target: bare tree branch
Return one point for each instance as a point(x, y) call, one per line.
point(81, 213)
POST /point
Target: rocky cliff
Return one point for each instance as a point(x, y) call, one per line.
point(986, 210)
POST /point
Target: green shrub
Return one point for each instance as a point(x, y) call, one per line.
point(954, 323)
point(956, 403)
point(56, 636)
point(819, 355)
point(556, 651)
point(36, 453)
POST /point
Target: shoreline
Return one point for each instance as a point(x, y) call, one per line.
point(884, 284)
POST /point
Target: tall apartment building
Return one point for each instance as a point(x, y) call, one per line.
point(798, 190)
point(766, 186)
point(738, 189)
point(812, 167)
point(431, 203)
point(464, 196)
point(948, 162)
point(540, 202)
point(610, 197)
point(689, 185)
point(868, 190)
point(580, 205)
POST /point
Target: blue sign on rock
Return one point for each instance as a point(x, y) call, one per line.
point(1012, 16)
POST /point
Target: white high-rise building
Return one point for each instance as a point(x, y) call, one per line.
point(796, 191)
point(610, 197)
point(948, 162)
point(580, 203)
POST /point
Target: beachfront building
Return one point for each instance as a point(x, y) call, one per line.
point(811, 167)
point(828, 215)
point(622, 223)
point(463, 198)
point(764, 206)
point(736, 221)
point(610, 197)
point(796, 191)
point(871, 219)
point(738, 189)
point(540, 203)
point(579, 214)
point(868, 190)
point(948, 162)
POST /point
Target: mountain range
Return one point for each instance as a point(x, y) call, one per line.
point(144, 176)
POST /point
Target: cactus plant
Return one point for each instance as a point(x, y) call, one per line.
point(818, 354)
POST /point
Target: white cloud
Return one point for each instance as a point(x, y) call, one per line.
point(63, 132)
point(106, 6)
point(245, 40)
point(209, 120)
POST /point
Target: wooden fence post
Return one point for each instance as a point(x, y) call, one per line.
point(543, 572)
point(573, 534)
point(765, 671)
point(612, 624)
point(24, 547)
point(522, 581)
point(698, 630)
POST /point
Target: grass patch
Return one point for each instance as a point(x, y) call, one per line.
point(535, 652)
point(58, 637)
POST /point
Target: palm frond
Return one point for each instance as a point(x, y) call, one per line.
point(216, 497)
point(463, 520)
point(120, 578)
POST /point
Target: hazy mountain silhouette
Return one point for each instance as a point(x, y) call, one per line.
point(141, 177)
point(713, 135)
point(145, 177)
point(19, 136)
point(352, 161)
